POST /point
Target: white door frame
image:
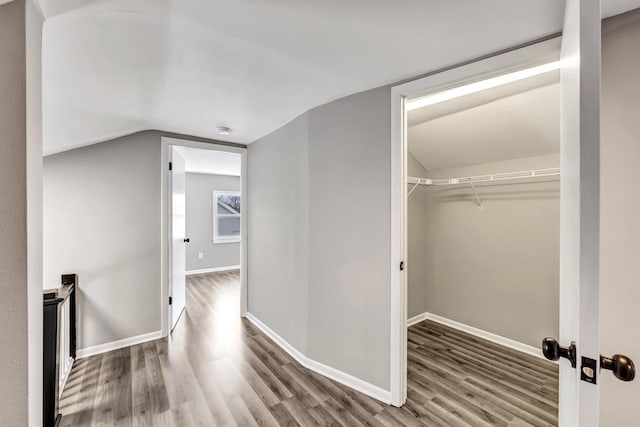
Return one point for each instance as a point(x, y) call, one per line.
point(165, 223)
point(176, 242)
point(524, 57)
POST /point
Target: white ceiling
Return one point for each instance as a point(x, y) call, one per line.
point(112, 67)
point(523, 124)
point(210, 161)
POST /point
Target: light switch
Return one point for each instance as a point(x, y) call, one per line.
point(200, 255)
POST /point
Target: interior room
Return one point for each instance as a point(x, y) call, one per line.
point(212, 223)
point(433, 196)
point(205, 224)
point(483, 215)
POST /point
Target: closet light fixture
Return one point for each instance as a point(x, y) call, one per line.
point(468, 89)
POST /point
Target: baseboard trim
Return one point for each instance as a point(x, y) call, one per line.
point(489, 336)
point(116, 345)
point(212, 270)
point(322, 369)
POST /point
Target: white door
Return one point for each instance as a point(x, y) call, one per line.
point(177, 290)
point(620, 210)
point(579, 212)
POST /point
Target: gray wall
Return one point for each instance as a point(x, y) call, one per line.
point(495, 268)
point(21, 213)
point(349, 235)
point(620, 210)
point(278, 231)
point(319, 234)
point(417, 241)
point(200, 205)
point(102, 221)
point(13, 211)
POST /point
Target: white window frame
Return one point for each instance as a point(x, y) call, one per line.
point(216, 237)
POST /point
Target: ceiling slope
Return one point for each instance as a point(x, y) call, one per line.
point(115, 67)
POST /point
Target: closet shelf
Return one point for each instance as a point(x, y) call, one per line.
point(536, 173)
point(471, 180)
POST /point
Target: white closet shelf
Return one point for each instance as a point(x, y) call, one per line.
point(529, 174)
point(471, 180)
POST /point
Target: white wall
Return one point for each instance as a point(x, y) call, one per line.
point(319, 230)
point(495, 268)
point(35, 22)
point(620, 210)
point(200, 208)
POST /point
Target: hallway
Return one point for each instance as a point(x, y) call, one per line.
point(217, 369)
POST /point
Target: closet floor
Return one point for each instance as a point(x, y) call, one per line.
point(217, 369)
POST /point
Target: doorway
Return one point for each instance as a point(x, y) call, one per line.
point(455, 176)
point(578, 347)
point(483, 220)
point(204, 227)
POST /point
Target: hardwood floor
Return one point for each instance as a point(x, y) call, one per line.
point(217, 369)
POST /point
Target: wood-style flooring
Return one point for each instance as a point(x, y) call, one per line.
point(218, 370)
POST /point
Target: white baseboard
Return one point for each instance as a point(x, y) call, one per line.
point(498, 339)
point(293, 352)
point(116, 345)
point(212, 270)
point(329, 372)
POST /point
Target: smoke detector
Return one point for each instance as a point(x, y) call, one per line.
point(223, 130)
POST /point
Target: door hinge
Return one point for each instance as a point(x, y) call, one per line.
point(170, 166)
point(401, 265)
point(170, 300)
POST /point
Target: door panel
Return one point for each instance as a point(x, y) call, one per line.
point(579, 207)
point(178, 231)
point(620, 210)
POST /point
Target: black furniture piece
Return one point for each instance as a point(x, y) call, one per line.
point(53, 301)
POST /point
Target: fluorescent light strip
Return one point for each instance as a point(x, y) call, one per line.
point(481, 85)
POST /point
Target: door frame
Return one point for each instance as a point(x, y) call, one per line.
point(525, 56)
point(165, 223)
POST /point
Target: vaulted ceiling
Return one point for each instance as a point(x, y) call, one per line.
point(113, 67)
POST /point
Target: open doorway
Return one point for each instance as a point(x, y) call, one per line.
point(205, 228)
point(483, 224)
point(478, 231)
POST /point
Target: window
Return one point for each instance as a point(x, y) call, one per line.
point(226, 216)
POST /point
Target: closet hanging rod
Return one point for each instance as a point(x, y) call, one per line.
point(536, 173)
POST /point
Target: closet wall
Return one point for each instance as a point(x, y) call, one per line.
point(494, 268)
point(417, 241)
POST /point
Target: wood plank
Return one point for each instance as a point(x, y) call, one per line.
point(217, 369)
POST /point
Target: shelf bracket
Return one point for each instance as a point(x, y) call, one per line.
point(475, 193)
point(413, 188)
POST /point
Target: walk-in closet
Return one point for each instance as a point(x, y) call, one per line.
point(483, 213)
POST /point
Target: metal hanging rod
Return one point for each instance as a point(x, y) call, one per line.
point(537, 173)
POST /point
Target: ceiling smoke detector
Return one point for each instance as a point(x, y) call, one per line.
point(223, 130)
